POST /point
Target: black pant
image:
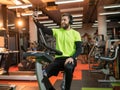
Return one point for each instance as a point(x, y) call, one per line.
point(58, 65)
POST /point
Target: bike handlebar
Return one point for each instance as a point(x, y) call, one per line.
point(57, 52)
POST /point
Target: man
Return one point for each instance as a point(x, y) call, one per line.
point(68, 41)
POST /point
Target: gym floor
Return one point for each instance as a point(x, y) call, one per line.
point(83, 79)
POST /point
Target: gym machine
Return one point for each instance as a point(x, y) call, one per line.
point(16, 75)
point(42, 59)
point(6, 55)
point(111, 68)
point(96, 49)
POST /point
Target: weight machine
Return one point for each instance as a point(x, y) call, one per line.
point(111, 68)
point(97, 49)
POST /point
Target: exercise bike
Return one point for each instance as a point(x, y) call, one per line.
point(43, 58)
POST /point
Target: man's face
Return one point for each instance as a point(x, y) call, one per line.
point(65, 22)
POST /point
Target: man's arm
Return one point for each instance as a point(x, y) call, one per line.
point(45, 30)
point(78, 49)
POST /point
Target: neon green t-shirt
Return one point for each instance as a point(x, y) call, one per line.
point(65, 41)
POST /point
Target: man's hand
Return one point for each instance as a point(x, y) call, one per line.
point(69, 60)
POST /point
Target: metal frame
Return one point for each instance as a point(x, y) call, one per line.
point(117, 51)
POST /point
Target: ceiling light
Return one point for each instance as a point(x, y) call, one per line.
point(2, 28)
point(94, 26)
point(30, 13)
point(1, 24)
point(20, 23)
point(71, 9)
point(67, 1)
point(47, 21)
point(106, 21)
point(12, 27)
point(80, 19)
point(77, 15)
point(77, 25)
point(77, 22)
point(111, 6)
point(26, 1)
point(43, 17)
point(109, 13)
point(26, 14)
point(53, 26)
point(9, 25)
point(17, 2)
point(50, 24)
point(19, 6)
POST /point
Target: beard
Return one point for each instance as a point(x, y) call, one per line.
point(64, 26)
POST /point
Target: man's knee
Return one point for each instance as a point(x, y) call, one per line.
point(69, 67)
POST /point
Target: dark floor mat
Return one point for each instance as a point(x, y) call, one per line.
point(89, 79)
point(76, 85)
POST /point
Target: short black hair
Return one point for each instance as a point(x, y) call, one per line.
point(69, 16)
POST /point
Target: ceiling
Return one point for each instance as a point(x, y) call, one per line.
point(87, 9)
